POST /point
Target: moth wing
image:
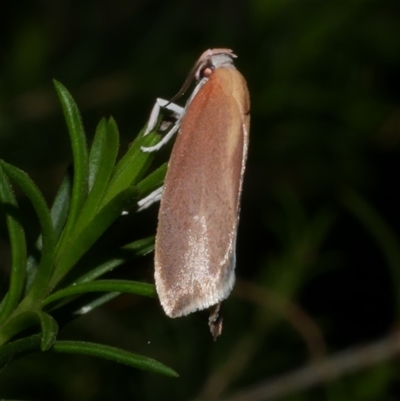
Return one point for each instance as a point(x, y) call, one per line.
point(198, 216)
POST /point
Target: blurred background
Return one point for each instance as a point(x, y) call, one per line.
point(316, 307)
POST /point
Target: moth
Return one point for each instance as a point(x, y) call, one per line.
point(200, 199)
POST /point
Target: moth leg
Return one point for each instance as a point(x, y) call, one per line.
point(177, 112)
point(154, 197)
point(155, 112)
point(215, 320)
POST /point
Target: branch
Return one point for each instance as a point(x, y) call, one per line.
point(341, 364)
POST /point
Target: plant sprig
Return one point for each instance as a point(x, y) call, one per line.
point(87, 203)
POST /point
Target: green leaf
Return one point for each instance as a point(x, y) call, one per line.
point(103, 154)
point(152, 181)
point(19, 348)
point(132, 166)
point(87, 307)
point(80, 242)
point(96, 151)
point(119, 257)
point(28, 319)
point(121, 286)
point(141, 247)
point(101, 163)
point(49, 329)
point(58, 212)
point(60, 207)
point(113, 354)
point(80, 158)
point(45, 268)
point(18, 248)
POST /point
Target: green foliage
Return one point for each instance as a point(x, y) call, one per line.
point(320, 258)
point(86, 205)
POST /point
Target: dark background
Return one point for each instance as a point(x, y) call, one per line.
point(320, 217)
